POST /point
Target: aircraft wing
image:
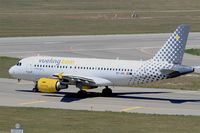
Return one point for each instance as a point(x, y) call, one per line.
point(84, 80)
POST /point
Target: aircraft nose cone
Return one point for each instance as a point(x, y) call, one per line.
point(11, 71)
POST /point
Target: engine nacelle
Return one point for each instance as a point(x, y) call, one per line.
point(50, 85)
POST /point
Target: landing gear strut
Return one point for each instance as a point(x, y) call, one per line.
point(106, 92)
point(81, 93)
point(35, 89)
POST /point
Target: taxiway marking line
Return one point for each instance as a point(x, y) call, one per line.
point(187, 92)
point(24, 83)
point(131, 108)
point(32, 102)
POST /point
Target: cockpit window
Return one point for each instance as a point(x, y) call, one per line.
point(19, 64)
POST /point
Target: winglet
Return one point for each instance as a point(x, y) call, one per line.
point(60, 75)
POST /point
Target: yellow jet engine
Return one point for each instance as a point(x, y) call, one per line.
point(50, 85)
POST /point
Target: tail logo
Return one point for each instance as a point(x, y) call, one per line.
point(173, 49)
point(177, 37)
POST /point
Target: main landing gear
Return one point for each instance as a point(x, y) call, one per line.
point(106, 92)
point(82, 93)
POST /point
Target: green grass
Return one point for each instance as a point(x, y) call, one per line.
point(5, 64)
point(81, 17)
point(37, 120)
point(186, 82)
point(193, 51)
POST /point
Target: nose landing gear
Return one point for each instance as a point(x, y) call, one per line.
point(35, 89)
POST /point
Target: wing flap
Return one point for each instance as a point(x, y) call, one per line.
point(85, 80)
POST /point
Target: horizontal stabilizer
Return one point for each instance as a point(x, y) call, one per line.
point(167, 71)
point(177, 70)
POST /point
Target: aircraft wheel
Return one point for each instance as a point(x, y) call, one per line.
point(82, 93)
point(35, 89)
point(106, 92)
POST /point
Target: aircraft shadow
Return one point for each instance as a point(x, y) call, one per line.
point(175, 101)
point(72, 96)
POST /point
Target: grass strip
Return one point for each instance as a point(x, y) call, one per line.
point(185, 82)
point(94, 17)
point(38, 120)
point(5, 64)
point(193, 51)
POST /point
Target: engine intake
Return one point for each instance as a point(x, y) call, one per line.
point(50, 85)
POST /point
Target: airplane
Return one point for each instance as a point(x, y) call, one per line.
point(52, 74)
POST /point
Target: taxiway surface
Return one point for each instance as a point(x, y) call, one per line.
point(124, 99)
point(133, 47)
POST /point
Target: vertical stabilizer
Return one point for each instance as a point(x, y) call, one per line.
point(173, 49)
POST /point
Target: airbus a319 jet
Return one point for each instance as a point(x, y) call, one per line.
point(51, 74)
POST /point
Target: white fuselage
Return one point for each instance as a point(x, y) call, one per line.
point(116, 72)
point(119, 72)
